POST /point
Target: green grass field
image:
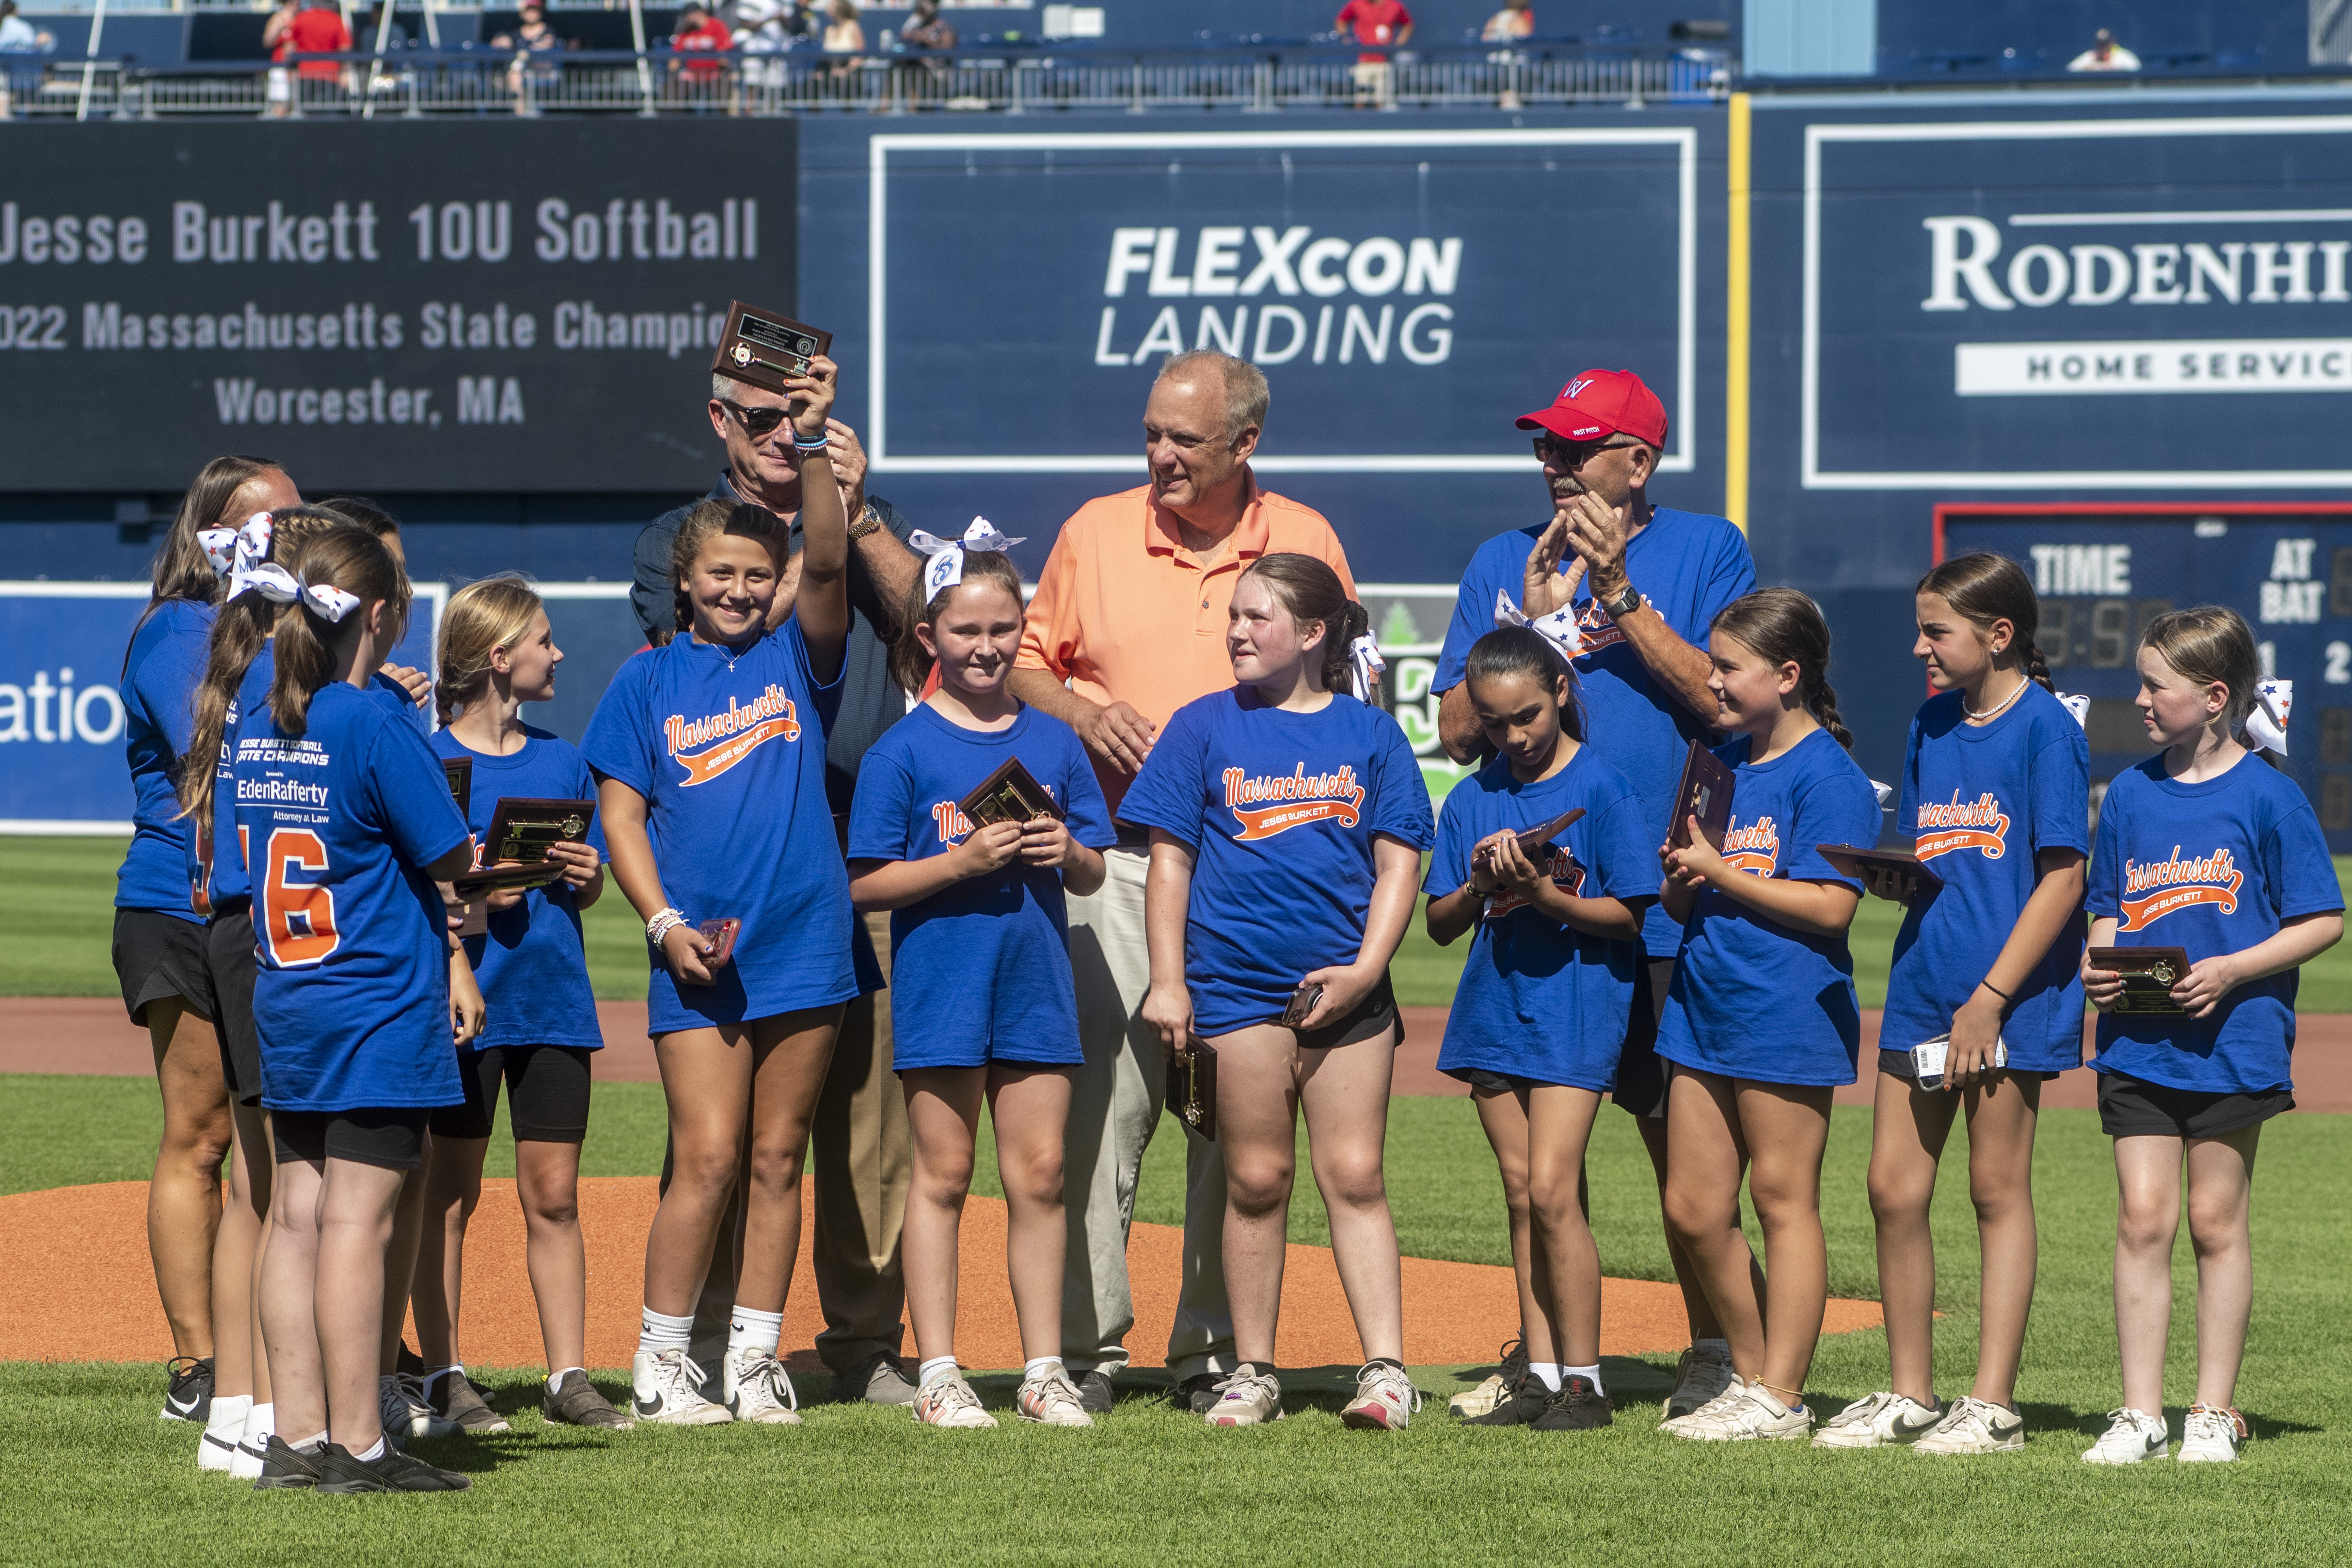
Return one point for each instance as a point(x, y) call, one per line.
point(87, 1474)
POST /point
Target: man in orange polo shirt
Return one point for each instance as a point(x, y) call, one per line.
point(1130, 612)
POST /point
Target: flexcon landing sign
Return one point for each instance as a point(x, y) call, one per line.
point(487, 306)
point(1403, 291)
point(2077, 304)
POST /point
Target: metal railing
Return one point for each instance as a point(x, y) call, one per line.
point(1002, 79)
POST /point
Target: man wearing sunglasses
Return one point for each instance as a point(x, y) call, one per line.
point(864, 1155)
point(1645, 581)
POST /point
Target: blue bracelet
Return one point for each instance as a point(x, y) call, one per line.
point(816, 446)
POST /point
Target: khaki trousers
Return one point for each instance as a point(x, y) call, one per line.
point(1115, 1104)
point(862, 1164)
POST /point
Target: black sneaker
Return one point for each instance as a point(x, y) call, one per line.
point(1577, 1407)
point(1198, 1393)
point(1522, 1401)
point(1094, 1391)
point(456, 1399)
point(284, 1465)
point(574, 1402)
point(188, 1396)
point(340, 1471)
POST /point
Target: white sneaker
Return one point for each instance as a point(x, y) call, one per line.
point(1713, 1407)
point(754, 1387)
point(1703, 1374)
point(252, 1446)
point(1974, 1425)
point(1385, 1399)
point(400, 1402)
point(1755, 1414)
point(1246, 1397)
point(1496, 1387)
point(218, 1451)
point(1882, 1420)
point(666, 1390)
point(2131, 1436)
point(948, 1401)
point(1051, 1401)
point(2212, 1433)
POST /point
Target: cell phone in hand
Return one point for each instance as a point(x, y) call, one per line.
point(718, 939)
point(1302, 1003)
point(1928, 1058)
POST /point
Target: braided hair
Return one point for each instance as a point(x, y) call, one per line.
point(1785, 627)
point(1983, 588)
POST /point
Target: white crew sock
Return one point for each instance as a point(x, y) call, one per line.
point(315, 1445)
point(1042, 1366)
point(1548, 1374)
point(658, 1331)
point(228, 1417)
point(1589, 1373)
point(261, 1425)
point(937, 1367)
point(754, 1330)
point(555, 1379)
point(375, 1453)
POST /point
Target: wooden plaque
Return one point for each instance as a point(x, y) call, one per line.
point(522, 828)
point(1853, 860)
point(460, 773)
point(1010, 794)
point(1193, 1086)
point(2149, 973)
point(1705, 792)
point(1542, 834)
point(764, 348)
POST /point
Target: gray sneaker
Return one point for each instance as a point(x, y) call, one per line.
point(574, 1402)
point(1246, 1397)
point(454, 1398)
point(879, 1379)
point(1094, 1391)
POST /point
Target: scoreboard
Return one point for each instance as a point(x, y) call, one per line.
point(2103, 570)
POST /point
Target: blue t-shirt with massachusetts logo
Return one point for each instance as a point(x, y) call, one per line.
point(727, 746)
point(352, 999)
point(1980, 802)
point(532, 963)
point(158, 690)
point(2209, 868)
point(1540, 999)
point(1752, 999)
point(982, 967)
point(1279, 808)
point(1689, 566)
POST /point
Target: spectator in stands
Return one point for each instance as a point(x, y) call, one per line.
point(27, 45)
point(924, 29)
point(843, 35)
point(532, 37)
point(1385, 23)
point(302, 27)
point(700, 33)
point(762, 33)
point(2103, 55)
point(1514, 21)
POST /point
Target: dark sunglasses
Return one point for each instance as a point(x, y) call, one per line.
point(758, 423)
point(1570, 455)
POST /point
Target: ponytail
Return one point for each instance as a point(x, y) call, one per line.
point(910, 664)
point(243, 625)
point(1784, 627)
point(1983, 588)
point(1311, 590)
point(349, 558)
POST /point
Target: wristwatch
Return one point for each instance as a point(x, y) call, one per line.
point(867, 521)
point(1624, 604)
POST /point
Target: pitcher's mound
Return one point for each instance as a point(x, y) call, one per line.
point(79, 1287)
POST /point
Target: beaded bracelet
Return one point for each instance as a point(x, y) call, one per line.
point(663, 922)
point(799, 444)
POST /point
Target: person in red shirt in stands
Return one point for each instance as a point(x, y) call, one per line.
point(700, 32)
point(1385, 23)
point(315, 29)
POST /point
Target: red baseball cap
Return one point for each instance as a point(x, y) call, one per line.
point(1596, 404)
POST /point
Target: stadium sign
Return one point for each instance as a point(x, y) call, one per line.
point(432, 306)
point(1402, 289)
point(2081, 303)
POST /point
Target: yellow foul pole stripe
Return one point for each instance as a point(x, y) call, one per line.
point(1736, 324)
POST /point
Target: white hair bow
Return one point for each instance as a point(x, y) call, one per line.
point(2266, 726)
point(1558, 628)
point(946, 568)
point(229, 549)
point(1365, 664)
point(1885, 793)
point(280, 586)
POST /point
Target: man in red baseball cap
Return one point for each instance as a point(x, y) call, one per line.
point(1644, 583)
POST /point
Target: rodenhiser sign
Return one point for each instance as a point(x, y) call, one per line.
point(1403, 291)
point(492, 305)
point(2073, 304)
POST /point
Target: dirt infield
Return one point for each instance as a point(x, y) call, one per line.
point(89, 1034)
point(79, 1289)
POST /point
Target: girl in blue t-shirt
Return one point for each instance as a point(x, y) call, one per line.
point(2202, 849)
point(709, 760)
point(1287, 821)
point(1996, 794)
point(984, 1006)
point(347, 823)
point(497, 653)
point(1539, 1019)
point(1761, 1022)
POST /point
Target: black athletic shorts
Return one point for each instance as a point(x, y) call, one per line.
point(1641, 1070)
point(1373, 1017)
point(228, 947)
point(2133, 1108)
point(548, 1089)
point(158, 956)
point(392, 1139)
